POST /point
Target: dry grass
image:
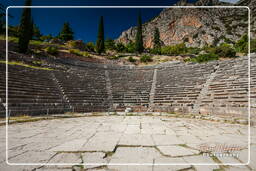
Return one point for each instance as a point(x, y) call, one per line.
point(25, 65)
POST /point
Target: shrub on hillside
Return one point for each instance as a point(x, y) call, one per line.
point(146, 58)
point(174, 50)
point(242, 44)
point(253, 46)
point(208, 49)
point(130, 47)
point(51, 50)
point(110, 44)
point(76, 44)
point(225, 50)
point(90, 47)
point(79, 53)
point(115, 57)
point(131, 59)
point(120, 47)
point(13, 31)
point(193, 50)
point(46, 38)
point(156, 51)
point(203, 58)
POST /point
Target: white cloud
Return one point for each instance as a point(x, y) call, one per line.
point(231, 1)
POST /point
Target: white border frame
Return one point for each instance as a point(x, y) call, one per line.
point(134, 164)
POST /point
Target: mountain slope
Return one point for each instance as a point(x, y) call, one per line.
point(252, 5)
point(194, 27)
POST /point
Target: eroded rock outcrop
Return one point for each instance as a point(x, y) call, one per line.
point(194, 27)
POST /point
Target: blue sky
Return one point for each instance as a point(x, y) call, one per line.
point(84, 22)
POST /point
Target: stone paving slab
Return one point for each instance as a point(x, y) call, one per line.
point(66, 158)
point(233, 168)
point(136, 140)
point(94, 157)
point(166, 140)
point(129, 168)
point(176, 151)
point(191, 139)
point(166, 160)
point(32, 157)
point(132, 129)
point(202, 159)
point(73, 145)
point(123, 139)
point(135, 155)
point(102, 141)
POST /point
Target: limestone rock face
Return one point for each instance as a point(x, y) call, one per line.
point(252, 5)
point(194, 27)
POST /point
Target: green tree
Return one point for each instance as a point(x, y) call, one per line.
point(225, 50)
point(177, 49)
point(156, 40)
point(2, 19)
point(242, 44)
point(13, 31)
point(110, 44)
point(31, 29)
point(120, 47)
point(36, 32)
point(66, 33)
point(130, 47)
point(46, 37)
point(90, 46)
point(253, 46)
point(25, 28)
point(100, 39)
point(139, 39)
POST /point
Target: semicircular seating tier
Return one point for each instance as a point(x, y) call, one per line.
point(218, 87)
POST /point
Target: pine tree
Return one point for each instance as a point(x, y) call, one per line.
point(156, 40)
point(31, 33)
point(139, 40)
point(25, 28)
point(36, 32)
point(109, 44)
point(100, 47)
point(2, 18)
point(66, 33)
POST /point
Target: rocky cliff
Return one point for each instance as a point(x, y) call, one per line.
point(195, 27)
point(252, 5)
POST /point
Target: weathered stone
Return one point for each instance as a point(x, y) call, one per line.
point(102, 142)
point(173, 164)
point(204, 160)
point(32, 157)
point(136, 140)
point(193, 27)
point(175, 151)
point(134, 155)
point(74, 158)
point(93, 159)
point(74, 145)
point(166, 140)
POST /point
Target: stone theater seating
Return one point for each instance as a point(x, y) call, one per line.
point(30, 91)
point(218, 87)
point(85, 90)
point(131, 88)
point(228, 91)
point(179, 86)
